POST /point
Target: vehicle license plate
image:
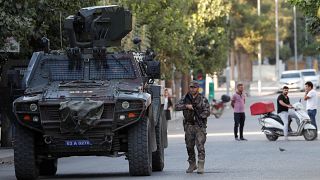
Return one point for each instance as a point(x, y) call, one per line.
point(77, 143)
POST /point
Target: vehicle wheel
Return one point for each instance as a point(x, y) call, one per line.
point(218, 115)
point(48, 167)
point(158, 156)
point(25, 162)
point(165, 131)
point(271, 137)
point(139, 148)
point(310, 134)
point(6, 130)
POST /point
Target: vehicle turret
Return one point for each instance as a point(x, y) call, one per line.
point(98, 26)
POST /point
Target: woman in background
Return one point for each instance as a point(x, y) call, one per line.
point(167, 104)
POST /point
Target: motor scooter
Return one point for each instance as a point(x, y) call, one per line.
point(273, 126)
point(217, 107)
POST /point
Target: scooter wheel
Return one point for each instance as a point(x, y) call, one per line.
point(271, 137)
point(310, 134)
point(218, 115)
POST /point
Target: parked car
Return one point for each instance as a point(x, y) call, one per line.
point(293, 79)
point(311, 75)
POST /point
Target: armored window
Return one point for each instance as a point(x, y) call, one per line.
point(111, 69)
point(62, 70)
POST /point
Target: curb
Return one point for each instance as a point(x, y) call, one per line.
point(5, 160)
point(7, 157)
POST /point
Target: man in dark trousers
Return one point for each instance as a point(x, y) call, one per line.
point(238, 105)
point(196, 110)
point(311, 98)
point(283, 105)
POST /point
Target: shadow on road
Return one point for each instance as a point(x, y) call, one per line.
point(88, 175)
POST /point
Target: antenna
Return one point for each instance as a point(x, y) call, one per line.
point(60, 30)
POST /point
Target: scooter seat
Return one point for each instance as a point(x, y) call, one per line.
point(276, 117)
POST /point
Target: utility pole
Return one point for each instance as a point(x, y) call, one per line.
point(60, 30)
point(259, 52)
point(277, 41)
point(295, 38)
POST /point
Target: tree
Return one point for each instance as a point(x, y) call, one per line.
point(247, 30)
point(28, 21)
point(208, 25)
point(311, 9)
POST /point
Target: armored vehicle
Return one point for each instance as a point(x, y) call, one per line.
point(88, 101)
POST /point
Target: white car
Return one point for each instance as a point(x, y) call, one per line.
point(311, 75)
point(293, 79)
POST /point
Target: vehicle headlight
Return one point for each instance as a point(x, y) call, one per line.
point(33, 107)
point(125, 105)
point(35, 119)
point(122, 117)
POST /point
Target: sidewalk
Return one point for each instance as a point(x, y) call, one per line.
point(6, 155)
point(267, 88)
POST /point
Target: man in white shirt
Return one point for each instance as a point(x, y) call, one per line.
point(311, 97)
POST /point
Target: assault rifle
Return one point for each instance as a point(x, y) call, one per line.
point(197, 116)
point(196, 113)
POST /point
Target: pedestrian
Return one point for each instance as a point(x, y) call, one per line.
point(312, 102)
point(167, 104)
point(283, 105)
point(238, 104)
point(196, 110)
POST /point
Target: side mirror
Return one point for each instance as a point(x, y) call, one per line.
point(153, 69)
point(300, 100)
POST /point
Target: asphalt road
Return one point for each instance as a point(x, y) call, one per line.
point(226, 158)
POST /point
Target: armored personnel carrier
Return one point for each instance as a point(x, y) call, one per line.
point(87, 101)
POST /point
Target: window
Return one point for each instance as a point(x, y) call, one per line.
point(290, 75)
point(111, 69)
point(309, 73)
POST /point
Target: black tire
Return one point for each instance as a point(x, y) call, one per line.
point(6, 131)
point(25, 161)
point(272, 137)
point(139, 148)
point(165, 131)
point(310, 134)
point(217, 115)
point(48, 167)
point(158, 156)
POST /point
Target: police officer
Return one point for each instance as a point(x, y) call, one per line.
point(196, 110)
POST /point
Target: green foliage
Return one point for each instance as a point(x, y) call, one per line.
point(311, 49)
point(285, 52)
point(210, 36)
point(28, 21)
point(247, 28)
point(186, 34)
point(311, 9)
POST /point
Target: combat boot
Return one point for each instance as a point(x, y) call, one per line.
point(192, 167)
point(200, 167)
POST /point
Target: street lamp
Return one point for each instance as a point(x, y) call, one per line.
point(295, 38)
point(277, 41)
point(259, 52)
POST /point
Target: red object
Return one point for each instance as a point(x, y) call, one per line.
point(261, 108)
point(27, 117)
point(132, 115)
